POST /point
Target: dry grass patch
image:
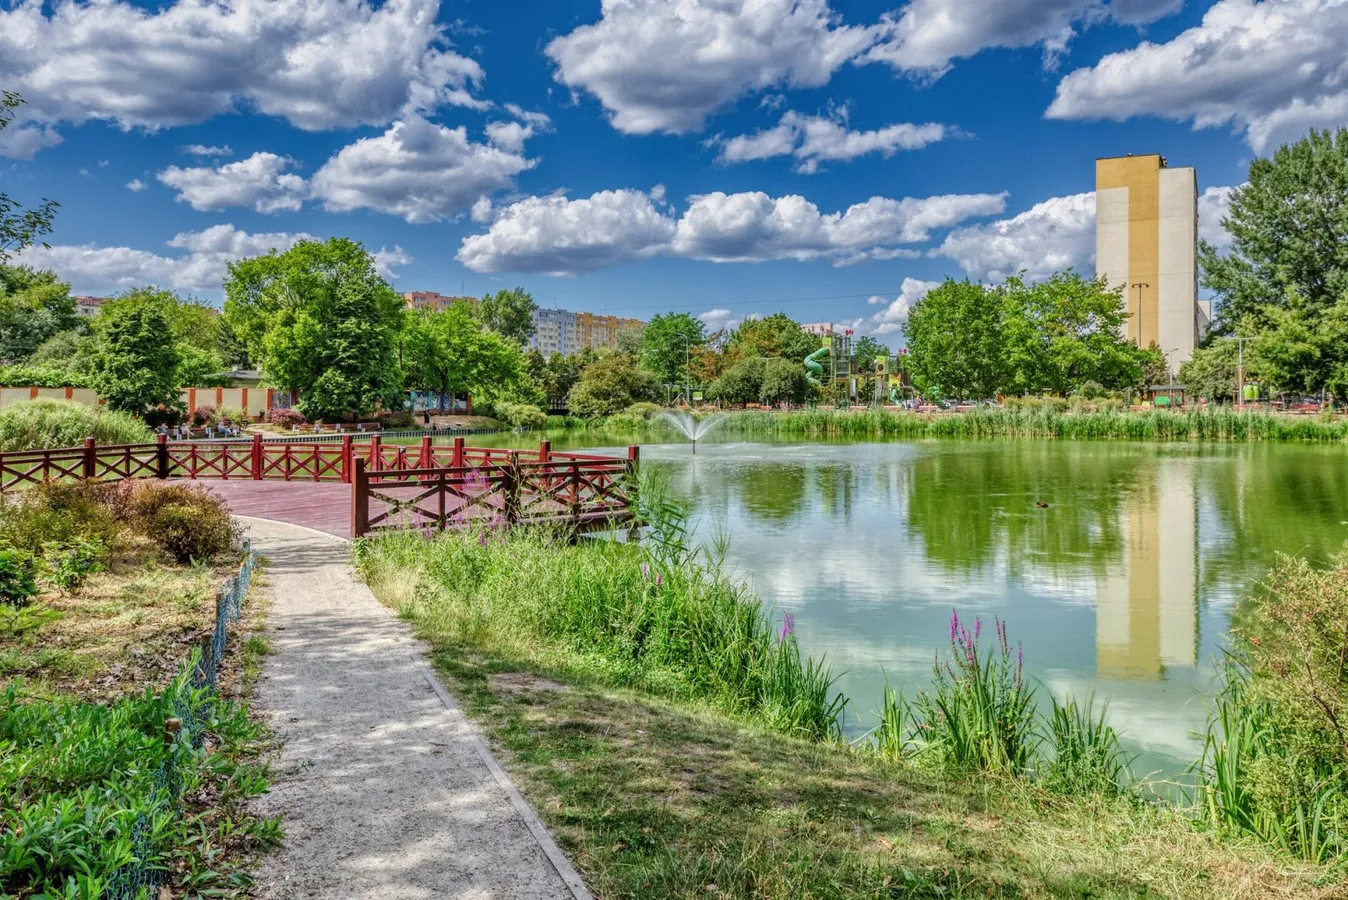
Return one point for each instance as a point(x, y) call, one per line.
point(127, 628)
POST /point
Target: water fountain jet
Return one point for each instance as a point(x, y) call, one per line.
point(691, 428)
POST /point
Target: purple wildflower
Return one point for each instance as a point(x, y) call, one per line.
point(659, 579)
point(978, 626)
point(1020, 660)
point(645, 570)
point(954, 624)
point(788, 628)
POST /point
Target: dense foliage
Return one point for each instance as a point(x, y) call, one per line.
point(1056, 336)
point(39, 424)
point(34, 306)
point(609, 385)
point(134, 366)
point(508, 313)
point(322, 322)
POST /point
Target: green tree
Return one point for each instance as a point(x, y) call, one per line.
point(34, 305)
point(1062, 333)
point(322, 322)
point(956, 338)
point(742, 382)
point(1211, 372)
point(446, 351)
point(509, 313)
point(134, 368)
point(20, 227)
point(773, 336)
point(66, 350)
point(1305, 351)
point(611, 384)
point(866, 349)
point(1289, 230)
point(193, 326)
point(783, 382)
point(667, 345)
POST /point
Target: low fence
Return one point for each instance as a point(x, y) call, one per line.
point(184, 735)
point(256, 459)
point(496, 488)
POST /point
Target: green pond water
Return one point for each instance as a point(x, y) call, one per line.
point(1125, 584)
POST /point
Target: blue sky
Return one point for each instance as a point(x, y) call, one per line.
point(723, 157)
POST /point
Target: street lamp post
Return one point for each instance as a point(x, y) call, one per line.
point(1139, 285)
point(1240, 368)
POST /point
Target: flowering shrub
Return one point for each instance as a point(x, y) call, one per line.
point(980, 713)
point(286, 418)
point(203, 415)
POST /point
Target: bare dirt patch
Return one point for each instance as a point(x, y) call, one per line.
point(523, 683)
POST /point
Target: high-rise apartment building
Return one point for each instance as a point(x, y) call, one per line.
point(1146, 243)
point(565, 332)
point(432, 300)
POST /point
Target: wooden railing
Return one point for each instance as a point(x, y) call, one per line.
point(257, 460)
point(495, 488)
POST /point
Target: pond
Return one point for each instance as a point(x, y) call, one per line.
point(1118, 566)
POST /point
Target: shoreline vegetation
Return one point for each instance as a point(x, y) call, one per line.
point(1040, 421)
point(670, 732)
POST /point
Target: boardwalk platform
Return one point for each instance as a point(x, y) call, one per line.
point(320, 506)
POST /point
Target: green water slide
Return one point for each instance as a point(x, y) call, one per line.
point(813, 367)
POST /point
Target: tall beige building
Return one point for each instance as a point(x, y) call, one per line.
point(1146, 243)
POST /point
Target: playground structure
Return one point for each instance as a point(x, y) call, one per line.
point(835, 370)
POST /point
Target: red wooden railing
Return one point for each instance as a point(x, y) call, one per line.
point(496, 488)
point(259, 460)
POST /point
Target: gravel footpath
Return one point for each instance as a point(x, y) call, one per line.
point(386, 791)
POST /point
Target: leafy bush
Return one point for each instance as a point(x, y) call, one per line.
point(41, 376)
point(202, 416)
point(18, 576)
point(192, 524)
point(400, 418)
point(286, 418)
point(230, 416)
point(69, 563)
point(644, 410)
point(1275, 761)
point(41, 424)
point(521, 415)
point(61, 511)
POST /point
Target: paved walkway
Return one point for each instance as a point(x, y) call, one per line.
point(386, 790)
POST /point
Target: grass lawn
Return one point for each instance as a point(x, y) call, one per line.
point(658, 734)
point(654, 799)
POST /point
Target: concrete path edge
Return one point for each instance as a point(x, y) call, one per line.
point(551, 850)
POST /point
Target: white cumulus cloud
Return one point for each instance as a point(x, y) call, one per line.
point(1047, 237)
point(260, 181)
point(1213, 204)
point(318, 64)
point(418, 170)
point(136, 185)
point(894, 316)
point(201, 266)
point(815, 139)
point(752, 227)
point(208, 150)
point(658, 65)
point(559, 236)
point(1271, 68)
point(930, 34)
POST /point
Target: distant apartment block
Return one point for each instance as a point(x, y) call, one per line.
point(432, 300)
point(823, 329)
point(1146, 244)
point(88, 306)
point(565, 332)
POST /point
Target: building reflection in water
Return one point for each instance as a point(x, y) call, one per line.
point(1147, 604)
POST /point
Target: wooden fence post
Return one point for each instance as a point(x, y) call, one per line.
point(360, 499)
point(257, 457)
point(376, 453)
point(426, 461)
point(346, 459)
point(90, 458)
point(544, 449)
point(161, 462)
point(633, 458)
point(457, 461)
point(512, 490)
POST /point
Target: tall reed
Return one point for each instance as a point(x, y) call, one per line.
point(1087, 756)
point(979, 714)
point(655, 615)
point(1021, 422)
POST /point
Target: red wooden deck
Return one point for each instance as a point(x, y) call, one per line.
point(322, 506)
